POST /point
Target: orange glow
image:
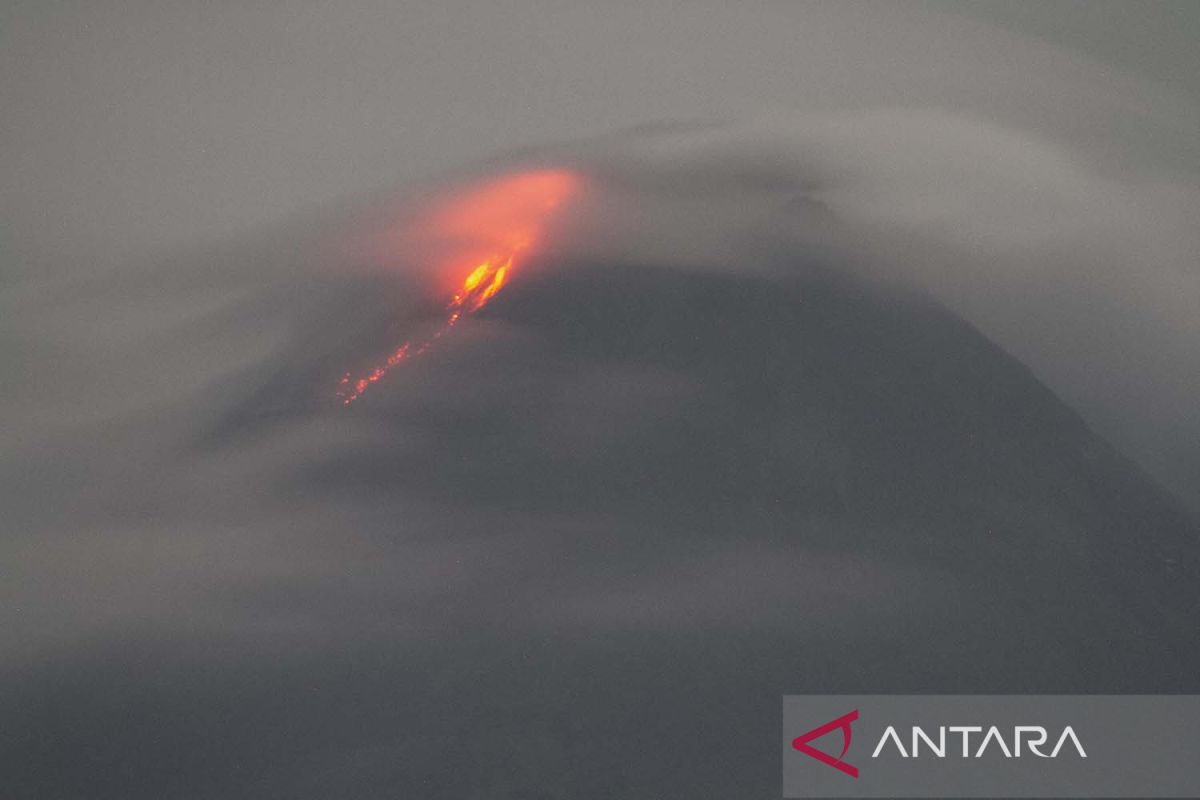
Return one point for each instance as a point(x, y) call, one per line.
point(486, 229)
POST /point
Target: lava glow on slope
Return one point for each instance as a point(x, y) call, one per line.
point(490, 226)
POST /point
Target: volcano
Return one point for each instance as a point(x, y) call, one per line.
point(651, 501)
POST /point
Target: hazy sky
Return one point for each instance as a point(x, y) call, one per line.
point(1154, 38)
point(729, 442)
point(142, 123)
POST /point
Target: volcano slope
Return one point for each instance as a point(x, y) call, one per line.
point(587, 543)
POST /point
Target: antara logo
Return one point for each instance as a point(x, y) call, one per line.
point(1023, 738)
point(843, 722)
point(1033, 736)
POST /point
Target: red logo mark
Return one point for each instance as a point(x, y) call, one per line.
point(801, 743)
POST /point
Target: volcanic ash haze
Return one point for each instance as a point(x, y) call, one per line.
point(588, 538)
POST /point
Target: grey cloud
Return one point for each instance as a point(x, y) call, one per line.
point(1083, 268)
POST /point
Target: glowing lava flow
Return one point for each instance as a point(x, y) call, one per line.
point(507, 217)
point(479, 287)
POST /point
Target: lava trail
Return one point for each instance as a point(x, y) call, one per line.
point(505, 217)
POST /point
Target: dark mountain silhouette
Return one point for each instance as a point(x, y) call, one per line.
point(723, 488)
point(825, 402)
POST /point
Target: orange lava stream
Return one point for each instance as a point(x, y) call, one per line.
point(505, 216)
point(479, 287)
